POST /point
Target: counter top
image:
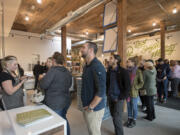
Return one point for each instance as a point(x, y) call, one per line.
point(9, 126)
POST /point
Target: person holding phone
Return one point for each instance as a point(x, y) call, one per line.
point(11, 84)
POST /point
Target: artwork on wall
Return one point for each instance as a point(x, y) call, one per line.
point(150, 47)
point(110, 15)
point(110, 40)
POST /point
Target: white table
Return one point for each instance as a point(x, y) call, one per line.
point(35, 128)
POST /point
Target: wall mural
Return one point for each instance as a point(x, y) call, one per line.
point(150, 47)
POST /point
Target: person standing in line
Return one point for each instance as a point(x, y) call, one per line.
point(36, 72)
point(93, 90)
point(175, 68)
point(56, 84)
point(137, 83)
point(163, 73)
point(149, 76)
point(118, 89)
point(142, 96)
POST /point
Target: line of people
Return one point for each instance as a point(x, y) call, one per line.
point(118, 84)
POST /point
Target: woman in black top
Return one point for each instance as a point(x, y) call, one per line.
point(12, 92)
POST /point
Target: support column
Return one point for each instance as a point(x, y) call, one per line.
point(63, 42)
point(122, 29)
point(162, 48)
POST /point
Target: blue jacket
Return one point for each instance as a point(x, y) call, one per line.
point(93, 84)
point(162, 71)
point(123, 80)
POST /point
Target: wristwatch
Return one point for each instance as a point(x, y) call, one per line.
point(89, 108)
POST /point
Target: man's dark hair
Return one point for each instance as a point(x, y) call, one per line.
point(160, 60)
point(92, 45)
point(118, 58)
point(134, 59)
point(58, 57)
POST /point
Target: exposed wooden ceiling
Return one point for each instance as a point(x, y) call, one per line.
point(141, 15)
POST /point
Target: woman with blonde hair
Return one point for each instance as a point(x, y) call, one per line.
point(150, 86)
point(12, 96)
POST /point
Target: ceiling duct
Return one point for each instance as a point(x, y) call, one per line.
point(143, 33)
point(76, 14)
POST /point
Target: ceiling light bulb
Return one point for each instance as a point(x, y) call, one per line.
point(87, 33)
point(27, 18)
point(174, 11)
point(39, 1)
point(129, 31)
point(32, 7)
point(154, 24)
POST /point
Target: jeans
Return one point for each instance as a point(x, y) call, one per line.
point(162, 89)
point(150, 107)
point(132, 108)
point(63, 113)
point(116, 110)
point(174, 86)
point(93, 121)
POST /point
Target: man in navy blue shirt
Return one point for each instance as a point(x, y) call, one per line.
point(93, 89)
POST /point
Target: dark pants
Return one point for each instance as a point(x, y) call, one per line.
point(174, 86)
point(36, 81)
point(162, 88)
point(150, 107)
point(143, 100)
point(116, 110)
point(1, 105)
point(63, 113)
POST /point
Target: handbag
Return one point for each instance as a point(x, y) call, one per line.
point(143, 92)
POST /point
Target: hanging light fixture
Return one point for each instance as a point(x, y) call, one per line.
point(174, 11)
point(154, 24)
point(129, 31)
point(27, 18)
point(39, 1)
point(86, 32)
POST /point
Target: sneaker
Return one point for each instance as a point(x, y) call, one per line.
point(143, 108)
point(164, 101)
point(127, 122)
point(132, 124)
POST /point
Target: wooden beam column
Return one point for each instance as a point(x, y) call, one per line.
point(63, 42)
point(122, 29)
point(162, 48)
point(121, 26)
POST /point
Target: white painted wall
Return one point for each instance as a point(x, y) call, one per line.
point(23, 48)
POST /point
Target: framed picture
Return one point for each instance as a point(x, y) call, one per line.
point(110, 40)
point(110, 13)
